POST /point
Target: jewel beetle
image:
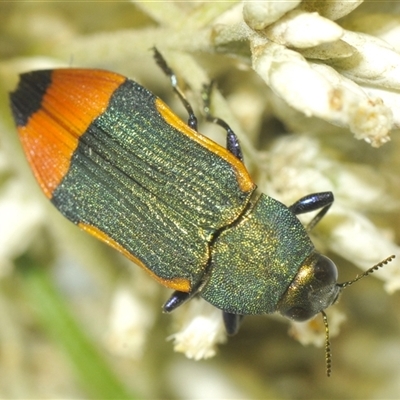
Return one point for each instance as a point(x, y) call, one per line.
point(117, 162)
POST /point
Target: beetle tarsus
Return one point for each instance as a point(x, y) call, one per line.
point(232, 322)
point(232, 144)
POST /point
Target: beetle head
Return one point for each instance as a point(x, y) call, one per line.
point(313, 289)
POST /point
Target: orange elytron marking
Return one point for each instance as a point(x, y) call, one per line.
point(183, 285)
point(242, 176)
point(73, 100)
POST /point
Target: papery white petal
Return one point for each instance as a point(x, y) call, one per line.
point(290, 76)
point(316, 94)
point(375, 63)
point(301, 29)
point(260, 14)
point(332, 9)
point(326, 51)
point(383, 26)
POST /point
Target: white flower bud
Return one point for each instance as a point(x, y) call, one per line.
point(260, 14)
point(374, 63)
point(301, 29)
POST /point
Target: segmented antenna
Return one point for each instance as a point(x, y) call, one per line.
point(367, 272)
point(328, 354)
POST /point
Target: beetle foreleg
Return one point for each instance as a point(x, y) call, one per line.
point(177, 299)
point(160, 60)
point(232, 322)
point(313, 202)
point(232, 142)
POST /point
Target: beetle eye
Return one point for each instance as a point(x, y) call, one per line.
point(325, 270)
point(299, 314)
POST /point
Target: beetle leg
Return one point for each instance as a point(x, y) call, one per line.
point(232, 142)
point(313, 202)
point(177, 299)
point(232, 322)
point(160, 60)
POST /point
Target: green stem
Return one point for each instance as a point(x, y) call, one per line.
point(91, 369)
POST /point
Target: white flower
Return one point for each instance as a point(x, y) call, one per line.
point(323, 92)
point(201, 330)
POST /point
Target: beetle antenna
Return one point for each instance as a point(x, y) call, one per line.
point(367, 272)
point(328, 354)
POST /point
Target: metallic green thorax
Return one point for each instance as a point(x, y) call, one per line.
point(149, 187)
point(254, 261)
